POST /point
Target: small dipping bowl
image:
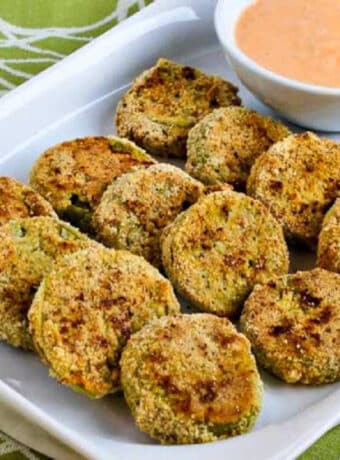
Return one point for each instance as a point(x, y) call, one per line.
point(310, 106)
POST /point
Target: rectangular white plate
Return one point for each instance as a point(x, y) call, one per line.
point(77, 97)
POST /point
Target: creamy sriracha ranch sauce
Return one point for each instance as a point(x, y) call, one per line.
point(298, 39)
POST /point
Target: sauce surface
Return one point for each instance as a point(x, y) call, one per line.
point(299, 39)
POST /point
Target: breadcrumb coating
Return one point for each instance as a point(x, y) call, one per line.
point(191, 379)
point(73, 175)
point(165, 102)
point(86, 309)
point(217, 250)
point(17, 200)
point(298, 179)
point(329, 240)
point(137, 206)
point(28, 248)
point(224, 145)
point(293, 324)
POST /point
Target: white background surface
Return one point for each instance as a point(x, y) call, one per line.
point(77, 98)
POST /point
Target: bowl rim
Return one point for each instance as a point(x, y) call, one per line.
point(227, 39)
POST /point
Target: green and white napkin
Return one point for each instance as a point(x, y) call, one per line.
point(35, 34)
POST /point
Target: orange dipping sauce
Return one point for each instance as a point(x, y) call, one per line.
point(299, 39)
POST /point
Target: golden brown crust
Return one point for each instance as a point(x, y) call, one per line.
point(298, 179)
point(191, 378)
point(165, 102)
point(87, 307)
point(17, 200)
point(329, 240)
point(293, 324)
point(219, 248)
point(224, 145)
point(138, 205)
point(73, 175)
point(28, 248)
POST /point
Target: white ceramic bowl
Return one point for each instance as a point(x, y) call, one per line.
point(310, 106)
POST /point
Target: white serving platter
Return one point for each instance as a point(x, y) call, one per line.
point(77, 97)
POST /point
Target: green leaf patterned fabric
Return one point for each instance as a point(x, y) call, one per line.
point(12, 450)
point(327, 448)
point(34, 34)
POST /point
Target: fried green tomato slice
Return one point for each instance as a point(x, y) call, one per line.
point(298, 179)
point(223, 146)
point(216, 251)
point(17, 200)
point(86, 309)
point(191, 379)
point(329, 240)
point(293, 324)
point(165, 102)
point(138, 205)
point(73, 175)
point(28, 248)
